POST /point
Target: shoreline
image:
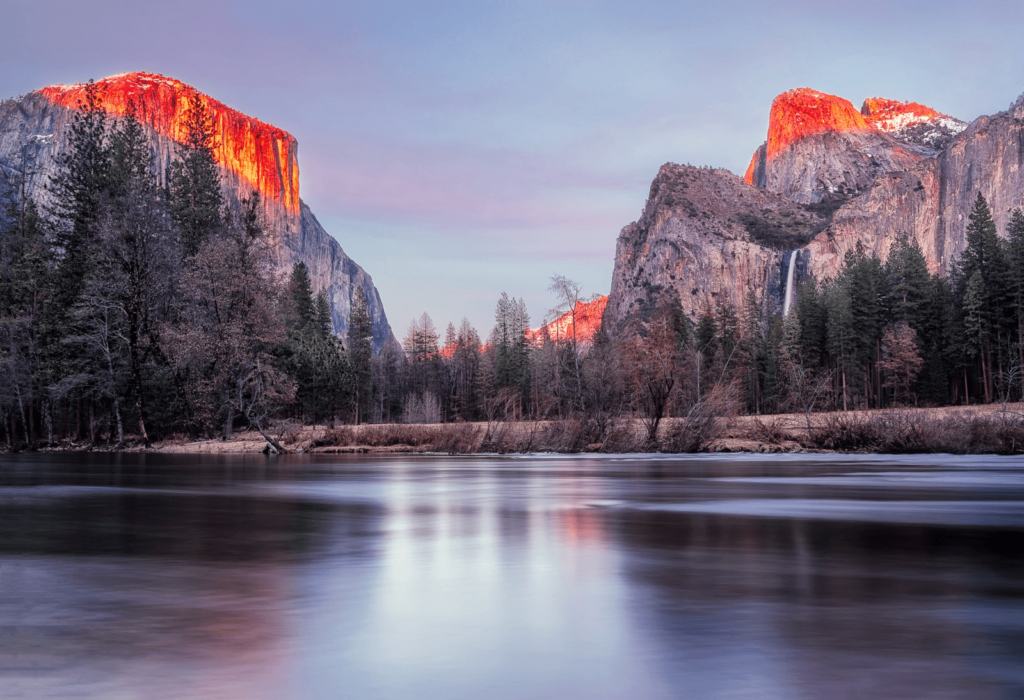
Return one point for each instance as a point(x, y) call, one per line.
point(986, 429)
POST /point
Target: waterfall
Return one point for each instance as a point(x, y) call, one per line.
point(788, 298)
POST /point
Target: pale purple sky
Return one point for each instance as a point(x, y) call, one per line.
point(460, 149)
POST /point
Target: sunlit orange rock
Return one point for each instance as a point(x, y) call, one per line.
point(587, 320)
point(891, 115)
point(802, 112)
point(748, 176)
point(262, 155)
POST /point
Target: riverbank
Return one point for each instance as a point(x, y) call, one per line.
point(954, 429)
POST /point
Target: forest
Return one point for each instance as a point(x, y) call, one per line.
point(133, 309)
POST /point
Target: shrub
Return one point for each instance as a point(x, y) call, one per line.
point(456, 439)
point(769, 429)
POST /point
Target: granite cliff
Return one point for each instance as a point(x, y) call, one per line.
point(708, 235)
point(586, 316)
point(251, 155)
point(820, 147)
point(828, 177)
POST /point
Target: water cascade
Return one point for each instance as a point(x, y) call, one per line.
point(788, 298)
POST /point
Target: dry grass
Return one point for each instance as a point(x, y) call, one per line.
point(984, 429)
point(769, 429)
point(897, 431)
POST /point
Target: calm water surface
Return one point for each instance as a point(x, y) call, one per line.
point(158, 576)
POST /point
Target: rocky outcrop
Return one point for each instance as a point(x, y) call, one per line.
point(586, 316)
point(251, 155)
point(821, 148)
point(707, 235)
point(931, 201)
point(912, 123)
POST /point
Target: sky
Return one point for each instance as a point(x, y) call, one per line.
point(457, 150)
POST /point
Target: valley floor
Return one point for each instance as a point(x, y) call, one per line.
point(992, 428)
point(986, 428)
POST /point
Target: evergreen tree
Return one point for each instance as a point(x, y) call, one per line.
point(78, 190)
point(977, 331)
point(1015, 235)
point(511, 353)
point(936, 339)
point(322, 315)
point(194, 182)
point(301, 303)
point(987, 300)
point(24, 276)
point(813, 315)
point(908, 283)
point(706, 335)
point(360, 354)
point(726, 331)
point(841, 336)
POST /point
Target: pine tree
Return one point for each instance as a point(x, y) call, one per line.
point(726, 331)
point(864, 282)
point(360, 354)
point(976, 325)
point(194, 182)
point(908, 283)
point(322, 315)
point(300, 294)
point(78, 190)
point(136, 267)
point(24, 270)
point(841, 336)
point(991, 323)
point(813, 314)
point(937, 341)
point(1015, 235)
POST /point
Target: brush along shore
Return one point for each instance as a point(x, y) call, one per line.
point(988, 429)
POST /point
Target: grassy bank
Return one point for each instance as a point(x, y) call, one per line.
point(990, 429)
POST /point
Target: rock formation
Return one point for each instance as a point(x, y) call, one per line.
point(931, 201)
point(708, 235)
point(820, 147)
point(827, 178)
point(586, 317)
point(252, 155)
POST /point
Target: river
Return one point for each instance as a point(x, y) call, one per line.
point(793, 576)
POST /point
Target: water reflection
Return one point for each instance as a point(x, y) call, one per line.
point(142, 576)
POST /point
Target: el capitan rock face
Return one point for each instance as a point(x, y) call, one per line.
point(262, 155)
point(252, 155)
point(829, 178)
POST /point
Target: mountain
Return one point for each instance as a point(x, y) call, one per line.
point(708, 235)
point(251, 155)
point(931, 201)
point(827, 177)
point(586, 316)
point(820, 147)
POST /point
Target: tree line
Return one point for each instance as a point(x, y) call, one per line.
point(878, 334)
point(133, 309)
